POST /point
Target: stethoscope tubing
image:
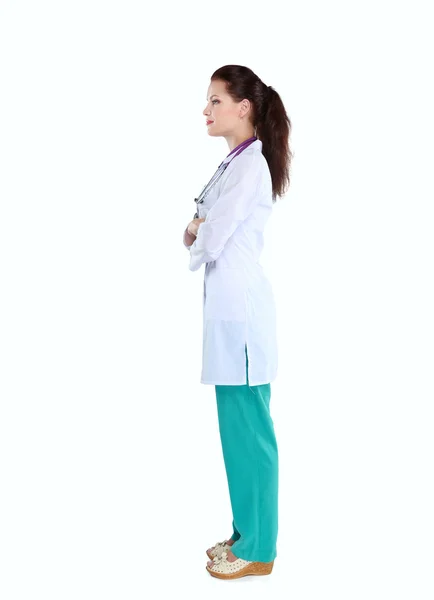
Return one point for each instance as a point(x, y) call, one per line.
point(220, 170)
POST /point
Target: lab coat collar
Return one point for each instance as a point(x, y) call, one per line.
point(257, 144)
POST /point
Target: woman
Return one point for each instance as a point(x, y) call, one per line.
point(239, 321)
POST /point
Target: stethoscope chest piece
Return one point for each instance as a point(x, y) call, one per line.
point(196, 214)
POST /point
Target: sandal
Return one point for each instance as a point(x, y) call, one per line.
point(223, 569)
point(216, 551)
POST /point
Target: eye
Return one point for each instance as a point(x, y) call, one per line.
point(215, 101)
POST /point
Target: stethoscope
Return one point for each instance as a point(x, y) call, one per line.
point(220, 170)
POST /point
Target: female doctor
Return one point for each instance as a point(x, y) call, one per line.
point(239, 320)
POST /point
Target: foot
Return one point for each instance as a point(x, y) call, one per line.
point(230, 557)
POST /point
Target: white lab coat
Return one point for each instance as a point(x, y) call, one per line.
point(238, 301)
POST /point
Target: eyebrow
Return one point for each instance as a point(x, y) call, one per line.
point(213, 95)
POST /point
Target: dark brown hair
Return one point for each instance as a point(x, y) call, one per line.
point(273, 126)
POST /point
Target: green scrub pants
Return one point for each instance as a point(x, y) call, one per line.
point(251, 460)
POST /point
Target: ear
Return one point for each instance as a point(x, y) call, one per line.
point(244, 107)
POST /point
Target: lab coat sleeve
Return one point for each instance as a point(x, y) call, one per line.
point(237, 200)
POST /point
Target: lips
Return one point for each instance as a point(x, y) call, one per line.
point(209, 122)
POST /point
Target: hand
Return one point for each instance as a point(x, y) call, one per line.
point(193, 226)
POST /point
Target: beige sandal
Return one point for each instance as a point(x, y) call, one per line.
point(223, 569)
point(216, 551)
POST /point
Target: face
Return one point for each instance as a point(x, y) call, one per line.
point(223, 111)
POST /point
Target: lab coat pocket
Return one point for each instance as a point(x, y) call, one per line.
point(225, 294)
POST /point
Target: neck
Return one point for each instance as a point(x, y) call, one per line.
point(236, 139)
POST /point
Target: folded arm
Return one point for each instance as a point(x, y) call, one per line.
point(237, 200)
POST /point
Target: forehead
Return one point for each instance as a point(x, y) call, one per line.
point(216, 87)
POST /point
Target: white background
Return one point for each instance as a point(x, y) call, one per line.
point(112, 477)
